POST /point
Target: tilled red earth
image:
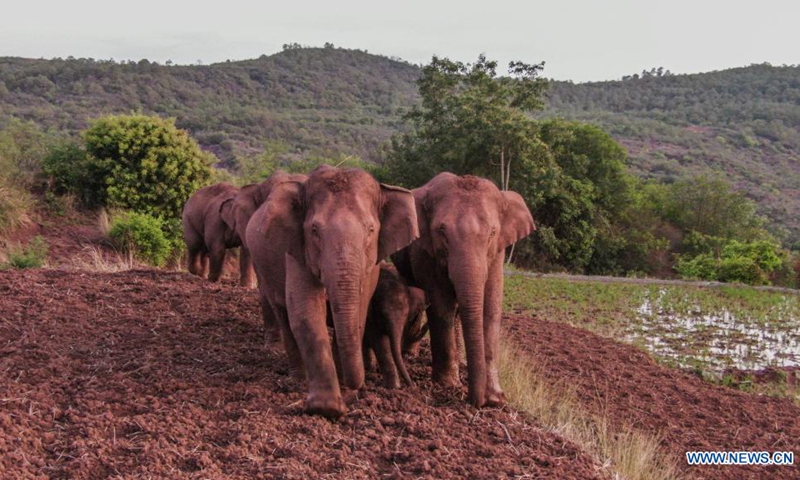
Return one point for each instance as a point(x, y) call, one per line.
point(162, 375)
point(626, 385)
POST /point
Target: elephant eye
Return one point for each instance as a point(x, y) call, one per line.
point(315, 230)
point(493, 232)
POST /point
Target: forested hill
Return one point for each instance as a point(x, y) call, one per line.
point(743, 123)
point(316, 100)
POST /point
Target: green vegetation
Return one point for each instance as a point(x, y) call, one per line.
point(306, 106)
point(706, 330)
point(32, 255)
point(141, 235)
point(144, 164)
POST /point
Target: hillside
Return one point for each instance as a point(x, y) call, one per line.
point(317, 101)
point(743, 123)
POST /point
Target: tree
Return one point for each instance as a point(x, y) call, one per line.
point(144, 164)
point(470, 121)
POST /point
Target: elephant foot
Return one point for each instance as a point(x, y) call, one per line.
point(391, 382)
point(326, 406)
point(447, 379)
point(495, 399)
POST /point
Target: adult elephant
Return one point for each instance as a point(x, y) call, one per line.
point(238, 212)
point(207, 230)
point(465, 224)
point(316, 245)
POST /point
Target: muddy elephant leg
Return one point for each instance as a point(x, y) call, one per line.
point(247, 274)
point(444, 354)
point(204, 265)
point(492, 312)
point(272, 331)
point(395, 336)
point(194, 261)
point(386, 363)
point(216, 259)
point(296, 367)
point(369, 356)
point(307, 310)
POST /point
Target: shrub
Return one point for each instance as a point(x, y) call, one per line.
point(65, 166)
point(742, 270)
point(144, 164)
point(700, 267)
point(32, 255)
point(143, 236)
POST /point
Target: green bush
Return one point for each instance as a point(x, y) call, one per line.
point(65, 166)
point(144, 164)
point(32, 255)
point(143, 235)
point(700, 267)
point(741, 270)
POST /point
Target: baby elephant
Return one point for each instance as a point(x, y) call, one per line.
point(394, 322)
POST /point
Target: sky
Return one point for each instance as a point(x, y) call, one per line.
point(580, 40)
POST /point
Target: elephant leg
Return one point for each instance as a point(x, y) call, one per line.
point(444, 355)
point(492, 313)
point(337, 361)
point(386, 363)
point(395, 339)
point(217, 260)
point(289, 343)
point(247, 274)
point(194, 261)
point(461, 350)
point(204, 264)
point(368, 355)
point(272, 331)
point(307, 310)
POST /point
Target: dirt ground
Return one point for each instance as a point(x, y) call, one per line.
point(689, 414)
point(160, 374)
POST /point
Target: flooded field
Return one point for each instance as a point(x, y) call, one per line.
point(704, 328)
point(713, 339)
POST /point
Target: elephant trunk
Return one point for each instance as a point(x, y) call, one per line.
point(469, 279)
point(345, 287)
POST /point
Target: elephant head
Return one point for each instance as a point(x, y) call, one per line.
point(465, 225)
point(337, 226)
point(237, 213)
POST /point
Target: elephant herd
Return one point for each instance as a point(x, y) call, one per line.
point(316, 245)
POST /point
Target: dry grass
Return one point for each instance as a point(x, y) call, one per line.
point(627, 454)
point(104, 222)
point(15, 203)
point(93, 259)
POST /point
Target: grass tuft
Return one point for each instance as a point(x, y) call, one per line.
point(93, 259)
point(626, 453)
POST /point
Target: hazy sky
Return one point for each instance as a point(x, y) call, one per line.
point(578, 39)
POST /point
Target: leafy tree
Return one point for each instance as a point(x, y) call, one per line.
point(470, 121)
point(144, 164)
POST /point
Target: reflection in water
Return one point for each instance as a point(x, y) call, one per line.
point(717, 340)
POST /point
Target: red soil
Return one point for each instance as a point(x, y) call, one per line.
point(163, 375)
point(628, 386)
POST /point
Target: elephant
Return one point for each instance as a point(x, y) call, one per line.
point(207, 233)
point(242, 207)
point(394, 320)
point(316, 245)
point(465, 225)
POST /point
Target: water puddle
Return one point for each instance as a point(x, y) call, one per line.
point(716, 340)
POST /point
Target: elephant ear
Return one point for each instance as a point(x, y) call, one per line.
point(398, 220)
point(517, 219)
point(423, 218)
point(283, 217)
point(226, 212)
